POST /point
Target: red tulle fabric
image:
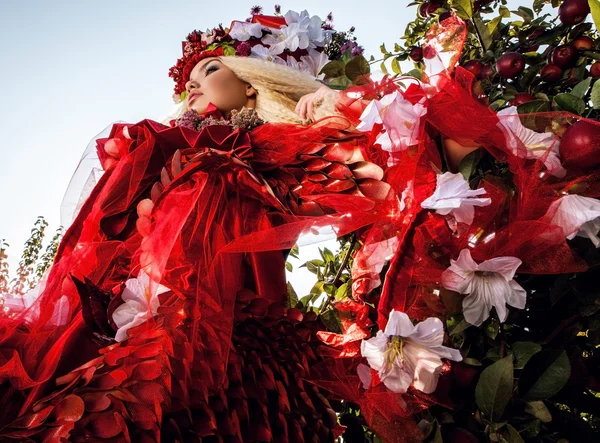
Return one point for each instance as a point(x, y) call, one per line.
point(222, 356)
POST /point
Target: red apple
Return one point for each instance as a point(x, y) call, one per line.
point(416, 54)
point(474, 67)
point(487, 71)
point(427, 9)
point(580, 146)
point(510, 64)
point(595, 70)
point(564, 56)
point(583, 43)
point(551, 73)
point(572, 12)
point(520, 98)
point(444, 15)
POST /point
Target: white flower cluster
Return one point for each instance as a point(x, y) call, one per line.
point(301, 32)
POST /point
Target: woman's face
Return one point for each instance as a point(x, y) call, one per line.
point(213, 82)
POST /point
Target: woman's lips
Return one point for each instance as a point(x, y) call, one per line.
point(193, 97)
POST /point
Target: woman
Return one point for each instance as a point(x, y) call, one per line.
point(163, 317)
point(155, 323)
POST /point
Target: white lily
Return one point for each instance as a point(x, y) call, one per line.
point(406, 354)
point(577, 216)
point(141, 303)
point(262, 52)
point(314, 62)
point(454, 197)
point(244, 31)
point(308, 26)
point(543, 145)
point(288, 37)
point(487, 284)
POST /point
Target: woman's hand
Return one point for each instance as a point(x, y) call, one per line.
point(307, 104)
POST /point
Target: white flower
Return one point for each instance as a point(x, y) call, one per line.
point(400, 119)
point(576, 215)
point(452, 196)
point(313, 62)
point(309, 26)
point(244, 31)
point(141, 302)
point(406, 354)
point(544, 145)
point(288, 37)
point(262, 52)
point(488, 284)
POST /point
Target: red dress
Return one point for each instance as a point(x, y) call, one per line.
point(221, 356)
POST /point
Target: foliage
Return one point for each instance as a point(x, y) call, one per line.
point(32, 266)
point(535, 377)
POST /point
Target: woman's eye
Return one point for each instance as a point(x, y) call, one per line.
point(211, 69)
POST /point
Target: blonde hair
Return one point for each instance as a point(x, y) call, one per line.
point(279, 88)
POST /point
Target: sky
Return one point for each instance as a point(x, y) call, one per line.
point(71, 68)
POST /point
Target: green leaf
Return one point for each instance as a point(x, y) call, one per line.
point(539, 410)
point(504, 12)
point(493, 24)
point(333, 69)
point(383, 68)
point(416, 73)
point(595, 95)
point(581, 88)
point(396, 66)
point(383, 49)
point(570, 103)
point(544, 375)
point(228, 50)
point(494, 388)
point(343, 291)
point(595, 10)
point(356, 67)
point(292, 298)
point(328, 255)
point(525, 13)
point(331, 319)
point(463, 8)
point(288, 266)
point(484, 33)
point(469, 163)
point(523, 350)
point(511, 435)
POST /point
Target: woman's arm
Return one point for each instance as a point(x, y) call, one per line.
point(454, 152)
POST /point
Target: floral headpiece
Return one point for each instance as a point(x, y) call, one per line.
point(295, 39)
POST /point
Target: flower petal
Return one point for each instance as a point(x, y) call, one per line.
point(505, 266)
point(399, 324)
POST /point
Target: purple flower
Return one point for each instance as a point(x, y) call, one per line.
point(349, 45)
point(352, 29)
point(243, 49)
point(357, 50)
point(330, 17)
point(277, 9)
point(256, 10)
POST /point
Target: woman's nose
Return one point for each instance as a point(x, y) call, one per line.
point(192, 84)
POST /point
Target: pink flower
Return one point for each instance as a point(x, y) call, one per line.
point(406, 354)
point(488, 284)
point(454, 197)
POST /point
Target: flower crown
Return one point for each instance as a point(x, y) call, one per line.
point(295, 39)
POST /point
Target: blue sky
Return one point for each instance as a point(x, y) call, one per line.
point(71, 68)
